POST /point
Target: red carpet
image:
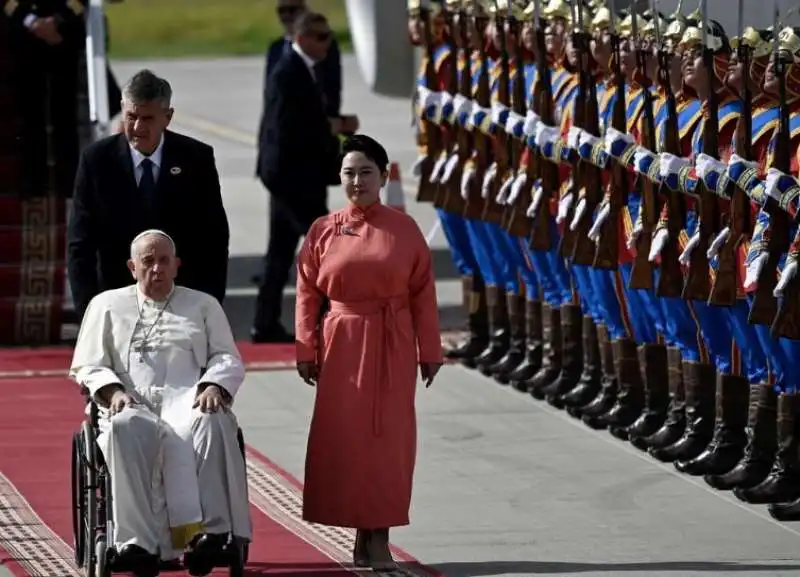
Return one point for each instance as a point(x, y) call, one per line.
point(37, 419)
point(19, 362)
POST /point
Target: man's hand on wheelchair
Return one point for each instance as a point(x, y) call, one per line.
point(115, 398)
point(210, 399)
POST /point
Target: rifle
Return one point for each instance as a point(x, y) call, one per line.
point(642, 268)
point(764, 308)
point(607, 254)
point(587, 176)
point(724, 292)
point(448, 195)
point(431, 136)
point(493, 212)
point(698, 279)
point(515, 217)
point(538, 167)
point(670, 282)
point(476, 203)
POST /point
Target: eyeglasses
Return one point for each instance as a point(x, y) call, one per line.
point(322, 36)
point(289, 10)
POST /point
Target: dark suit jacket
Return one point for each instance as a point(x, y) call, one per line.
point(329, 72)
point(107, 215)
point(297, 155)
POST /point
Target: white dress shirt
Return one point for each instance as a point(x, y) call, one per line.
point(137, 158)
point(307, 59)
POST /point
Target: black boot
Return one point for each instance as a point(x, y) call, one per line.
point(502, 369)
point(591, 379)
point(498, 330)
point(760, 452)
point(552, 353)
point(656, 391)
point(609, 387)
point(572, 361)
point(630, 399)
point(673, 427)
point(533, 347)
point(699, 381)
point(783, 483)
point(727, 446)
point(785, 512)
point(474, 302)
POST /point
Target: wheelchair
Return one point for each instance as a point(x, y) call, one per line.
point(92, 522)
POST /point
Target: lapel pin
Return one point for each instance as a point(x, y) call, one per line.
point(175, 170)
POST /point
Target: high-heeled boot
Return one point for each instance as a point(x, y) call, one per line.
point(360, 548)
point(762, 428)
point(783, 483)
point(609, 387)
point(630, 399)
point(653, 358)
point(730, 439)
point(502, 369)
point(591, 379)
point(697, 379)
point(675, 425)
point(380, 556)
point(533, 346)
point(474, 302)
point(572, 362)
point(553, 354)
point(498, 329)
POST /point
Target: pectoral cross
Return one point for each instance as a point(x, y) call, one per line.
point(143, 348)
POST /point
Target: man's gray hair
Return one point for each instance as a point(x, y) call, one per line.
point(152, 232)
point(145, 86)
point(306, 21)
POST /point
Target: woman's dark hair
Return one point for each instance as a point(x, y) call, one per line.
point(369, 147)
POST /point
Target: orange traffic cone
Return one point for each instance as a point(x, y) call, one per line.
point(392, 193)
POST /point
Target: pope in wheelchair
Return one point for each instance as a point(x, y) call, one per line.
point(160, 362)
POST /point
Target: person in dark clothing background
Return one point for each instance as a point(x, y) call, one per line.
point(298, 153)
point(144, 178)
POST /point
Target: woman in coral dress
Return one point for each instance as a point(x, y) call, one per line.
point(366, 319)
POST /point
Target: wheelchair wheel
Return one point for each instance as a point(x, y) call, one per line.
point(78, 499)
point(89, 528)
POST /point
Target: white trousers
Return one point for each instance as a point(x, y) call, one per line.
point(163, 482)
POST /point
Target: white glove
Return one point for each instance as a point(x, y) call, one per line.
point(533, 208)
point(580, 208)
point(587, 139)
point(438, 167)
point(545, 134)
point(602, 217)
point(517, 186)
point(574, 137)
point(461, 104)
point(686, 255)
point(718, 242)
point(514, 120)
point(754, 271)
point(416, 168)
point(449, 168)
point(671, 164)
point(660, 239)
point(531, 122)
point(613, 135)
point(424, 95)
point(445, 98)
point(705, 164)
point(635, 233)
point(771, 186)
point(488, 178)
point(788, 273)
point(505, 188)
point(466, 180)
point(497, 110)
point(473, 113)
point(735, 159)
point(563, 207)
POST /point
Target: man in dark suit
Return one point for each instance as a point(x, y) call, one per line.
point(297, 160)
point(329, 69)
point(146, 177)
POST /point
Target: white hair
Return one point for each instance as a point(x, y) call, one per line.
point(147, 234)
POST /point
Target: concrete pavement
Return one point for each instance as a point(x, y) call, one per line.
point(505, 485)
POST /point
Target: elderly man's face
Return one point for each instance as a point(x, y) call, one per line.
point(154, 266)
point(145, 123)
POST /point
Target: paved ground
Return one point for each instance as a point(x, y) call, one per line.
point(505, 485)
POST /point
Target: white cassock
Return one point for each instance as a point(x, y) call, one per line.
point(175, 471)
